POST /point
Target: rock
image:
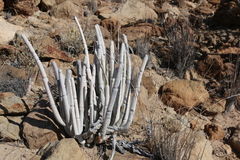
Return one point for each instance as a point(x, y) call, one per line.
point(131, 12)
point(25, 7)
point(1, 5)
point(64, 149)
point(112, 25)
point(201, 148)
point(213, 107)
point(203, 10)
point(228, 14)
point(227, 148)
point(46, 5)
point(183, 95)
point(10, 127)
point(210, 66)
point(8, 72)
point(7, 31)
point(214, 131)
point(11, 104)
point(7, 52)
point(141, 31)
point(55, 53)
point(40, 128)
point(66, 9)
point(227, 49)
point(235, 139)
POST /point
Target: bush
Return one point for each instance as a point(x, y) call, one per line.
point(18, 86)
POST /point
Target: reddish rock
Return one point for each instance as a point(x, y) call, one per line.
point(214, 132)
point(1, 5)
point(210, 66)
point(142, 30)
point(40, 128)
point(25, 7)
point(11, 104)
point(112, 25)
point(7, 52)
point(55, 53)
point(183, 95)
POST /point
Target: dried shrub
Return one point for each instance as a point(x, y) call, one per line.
point(171, 139)
point(18, 86)
point(181, 40)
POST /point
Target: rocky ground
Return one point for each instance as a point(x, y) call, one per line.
point(189, 90)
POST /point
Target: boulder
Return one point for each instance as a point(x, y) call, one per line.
point(7, 31)
point(7, 52)
point(66, 9)
point(46, 5)
point(64, 149)
point(228, 14)
point(210, 66)
point(214, 131)
point(142, 31)
point(50, 51)
point(183, 95)
point(25, 7)
point(201, 148)
point(10, 127)
point(131, 12)
point(40, 128)
point(213, 107)
point(235, 139)
point(1, 5)
point(10, 104)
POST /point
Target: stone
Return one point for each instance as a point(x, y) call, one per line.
point(1, 5)
point(131, 12)
point(46, 5)
point(183, 95)
point(50, 51)
point(7, 52)
point(40, 128)
point(10, 127)
point(66, 9)
point(235, 139)
point(7, 31)
point(141, 31)
point(24, 7)
point(201, 148)
point(203, 10)
point(64, 149)
point(11, 104)
point(213, 107)
point(214, 131)
point(210, 66)
point(228, 14)
point(112, 25)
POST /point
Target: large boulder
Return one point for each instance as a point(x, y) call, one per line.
point(66, 9)
point(228, 14)
point(39, 127)
point(131, 12)
point(183, 95)
point(10, 104)
point(7, 31)
point(25, 7)
point(63, 149)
